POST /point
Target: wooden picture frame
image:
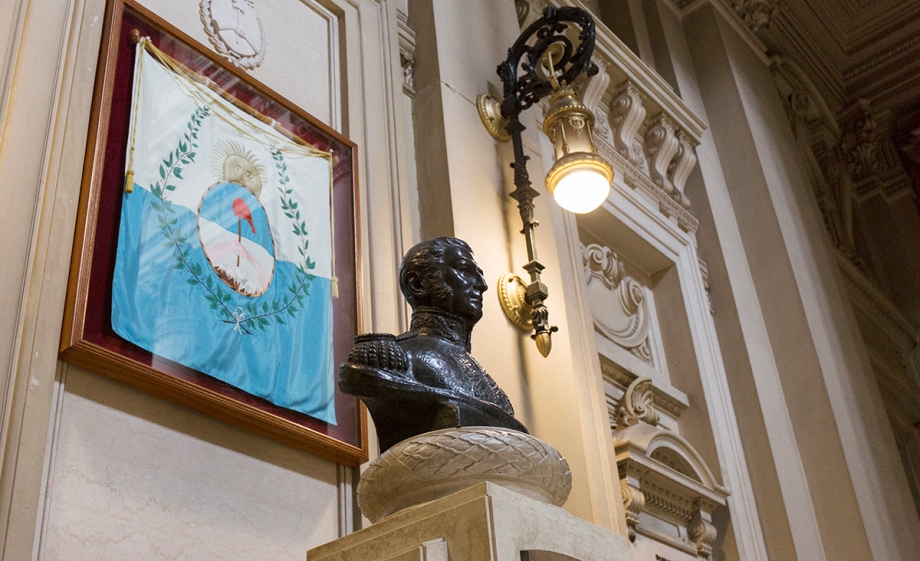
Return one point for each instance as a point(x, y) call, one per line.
point(87, 338)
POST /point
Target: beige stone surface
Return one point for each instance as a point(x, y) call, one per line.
point(483, 522)
point(133, 476)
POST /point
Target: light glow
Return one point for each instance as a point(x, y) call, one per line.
point(581, 190)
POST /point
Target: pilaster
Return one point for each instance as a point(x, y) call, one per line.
point(828, 390)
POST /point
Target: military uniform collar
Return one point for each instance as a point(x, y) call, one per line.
point(434, 322)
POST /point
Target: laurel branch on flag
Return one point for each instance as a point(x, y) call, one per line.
point(243, 317)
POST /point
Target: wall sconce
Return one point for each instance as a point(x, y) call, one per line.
point(544, 62)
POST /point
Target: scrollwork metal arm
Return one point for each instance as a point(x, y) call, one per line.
point(532, 71)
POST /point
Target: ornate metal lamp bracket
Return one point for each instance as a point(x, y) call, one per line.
point(542, 58)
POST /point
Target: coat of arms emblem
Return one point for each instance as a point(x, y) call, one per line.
point(235, 30)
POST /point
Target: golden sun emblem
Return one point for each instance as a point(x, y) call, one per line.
point(234, 163)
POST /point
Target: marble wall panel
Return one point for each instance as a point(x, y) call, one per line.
point(132, 476)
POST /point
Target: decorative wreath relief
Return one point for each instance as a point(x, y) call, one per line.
point(235, 30)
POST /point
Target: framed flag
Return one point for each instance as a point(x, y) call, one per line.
point(215, 256)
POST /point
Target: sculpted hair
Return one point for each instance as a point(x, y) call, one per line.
point(425, 259)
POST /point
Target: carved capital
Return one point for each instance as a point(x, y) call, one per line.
point(859, 147)
point(680, 168)
point(636, 405)
point(757, 14)
point(661, 146)
point(626, 116)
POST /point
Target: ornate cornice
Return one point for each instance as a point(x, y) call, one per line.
point(868, 66)
point(874, 305)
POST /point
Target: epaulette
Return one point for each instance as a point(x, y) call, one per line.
point(380, 351)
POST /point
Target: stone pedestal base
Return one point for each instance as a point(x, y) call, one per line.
point(485, 522)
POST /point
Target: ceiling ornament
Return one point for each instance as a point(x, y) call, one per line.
point(235, 31)
point(858, 144)
point(757, 14)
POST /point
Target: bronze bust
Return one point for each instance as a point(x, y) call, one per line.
point(425, 379)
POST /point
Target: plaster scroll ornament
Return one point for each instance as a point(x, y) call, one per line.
point(235, 31)
point(620, 310)
point(602, 125)
point(627, 114)
point(661, 145)
point(636, 405)
point(523, 9)
point(680, 167)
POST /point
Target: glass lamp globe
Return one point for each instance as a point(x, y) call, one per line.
point(580, 179)
point(581, 190)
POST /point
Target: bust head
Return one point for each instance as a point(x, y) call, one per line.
point(442, 273)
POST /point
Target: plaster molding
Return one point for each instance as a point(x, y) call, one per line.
point(628, 297)
point(633, 501)
point(868, 299)
point(636, 405)
point(756, 14)
point(639, 92)
point(874, 62)
point(406, 52)
point(637, 178)
point(702, 532)
point(661, 146)
point(622, 64)
point(680, 167)
point(859, 146)
point(704, 273)
point(626, 116)
point(666, 399)
point(596, 85)
point(675, 486)
point(235, 41)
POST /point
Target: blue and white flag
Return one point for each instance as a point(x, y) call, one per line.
point(225, 257)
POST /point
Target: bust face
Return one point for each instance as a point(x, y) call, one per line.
point(465, 283)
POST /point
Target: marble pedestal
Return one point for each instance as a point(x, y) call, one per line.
point(485, 522)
